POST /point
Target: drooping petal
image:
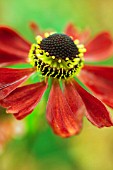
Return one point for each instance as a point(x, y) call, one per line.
point(13, 44)
point(96, 111)
point(72, 31)
point(75, 102)
point(100, 81)
point(10, 79)
point(99, 48)
point(23, 100)
point(59, 114)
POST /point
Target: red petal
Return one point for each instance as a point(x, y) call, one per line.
point(72, 31)
point(59, 114)
point(35, 28)
point(99, 48)
point(23, 100)
point(96, 111)
point(7, 59)
point(13, 44)
point(75, 102)
point(99, 80)
point(12, 78)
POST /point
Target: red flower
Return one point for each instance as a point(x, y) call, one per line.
point(59, 58)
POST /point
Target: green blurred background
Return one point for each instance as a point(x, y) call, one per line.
point(37, 148)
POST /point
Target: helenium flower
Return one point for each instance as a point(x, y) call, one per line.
point(64, 59)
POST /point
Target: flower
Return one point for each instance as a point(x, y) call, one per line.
point(66, 62)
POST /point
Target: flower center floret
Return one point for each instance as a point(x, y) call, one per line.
point(57, 56)
point(60, 46)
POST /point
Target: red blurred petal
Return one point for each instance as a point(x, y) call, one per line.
point(96, 111)
point(13, 44)
point(35, 28)
point(99, 48)
point(59, 114)
point(37, 31)
point(23, 100)
point(72, 31)
point(99, 80)
point(6, 131)
point(12, 78)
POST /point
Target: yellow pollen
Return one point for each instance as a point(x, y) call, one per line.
point(39, 38)
point(67, 58)
point(71, 37)
point(76, 41)
point(53, 57)
point(59, 61)
point(46, 34)
point(47, 53)
point(81, 55)
point(52, 33)
point(82, 50)
point(80, 46)
point(38, 46)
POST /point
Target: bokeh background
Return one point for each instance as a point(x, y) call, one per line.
point(30, 144)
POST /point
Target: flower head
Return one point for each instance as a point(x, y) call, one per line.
point(57, 56)
point(61, 58)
